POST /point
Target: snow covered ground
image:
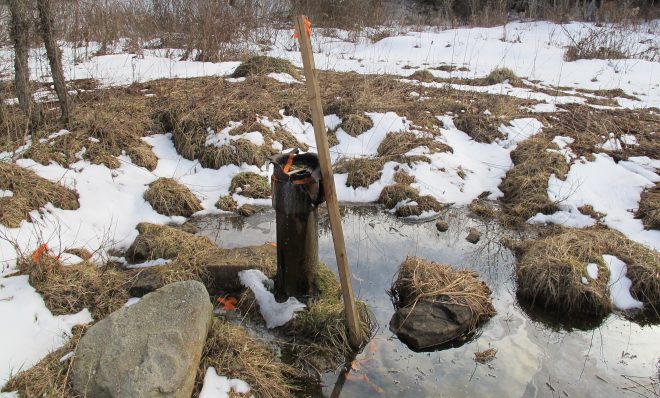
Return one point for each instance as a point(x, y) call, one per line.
point(111, 202)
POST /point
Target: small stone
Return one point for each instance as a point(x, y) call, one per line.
point(473, 236)
point(442, 225)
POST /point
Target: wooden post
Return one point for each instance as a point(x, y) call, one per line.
point(323, 149)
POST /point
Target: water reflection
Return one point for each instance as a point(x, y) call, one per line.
point(539, 353)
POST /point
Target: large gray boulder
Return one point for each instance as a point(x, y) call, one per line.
point(150, 349)
point(430, 324)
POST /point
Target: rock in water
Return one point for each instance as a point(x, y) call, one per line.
point(473, 236)
point(150, 349)
point(442, 225)
point(430, 324)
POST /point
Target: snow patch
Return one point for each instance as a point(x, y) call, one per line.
point(275, 314)
point(216, 386)
point(620, 284)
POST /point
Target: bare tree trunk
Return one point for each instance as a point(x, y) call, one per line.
point(54, 55)
point(20, 26)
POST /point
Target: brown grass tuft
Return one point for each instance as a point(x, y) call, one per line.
point(262, 65)
point(319, 332)
point(226, 203)
point(402, 177)
point(422, 204)
point(391, 195)
point(235, 354)
point(362, 172)
point(170, 198)
point(422, 75)
point(481, 127)
point(483, 208)
point(525, 186)
point(550, 270)
point(500, 75)
point(356, 124)
point(70, 289)
point(399, 143)
point(418, 279)
point(252, 185)
point(31, 192)
point(649, 207)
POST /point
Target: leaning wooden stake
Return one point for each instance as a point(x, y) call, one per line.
point(328, 181)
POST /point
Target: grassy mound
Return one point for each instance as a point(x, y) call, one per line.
point(30, 192)
point(362, 172)
point(418, 279)
point(500, 75)
point(50, 377)
point(398, 144)
point(263, 65)
point(525, 186)
point(69, 289)
point(169, 197)
point(423, 204)
point(550, 270)
point(320, 332)
point(482, 208)
point(356, 124)
point(106, 123)
point(402, 177)
point(252, 185)
point(226, 203)
point(481, 127)
point(422, 75)
point(235, 354)
point(196, 257)
point(649, 207)
point(391, 195)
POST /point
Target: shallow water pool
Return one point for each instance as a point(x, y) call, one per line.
point(538, 354)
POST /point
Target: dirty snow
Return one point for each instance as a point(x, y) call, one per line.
point(620, 284)
point(216, 386)
point(275, 314)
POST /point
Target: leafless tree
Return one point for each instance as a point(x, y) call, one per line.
point(54, 55)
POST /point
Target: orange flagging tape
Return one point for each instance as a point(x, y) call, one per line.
point(308, 29)
point(289, 162)
point(42, 248)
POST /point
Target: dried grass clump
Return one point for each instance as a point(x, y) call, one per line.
point(227, 203)
point(590, 128)
point(500, 75)
point(170, 198)
point(525, 186)
point(70, 289)
point(481, 127)
point(263, 65)
point(418, 279)
point(391, 195)
point(50, 377)
point(402, 177)
point(422, 75)
point(235, 354)
point(362, 172)
point(196, 257)
point(483, 208)
point(649, 207)
point(287, 140)
point(31, 192)
point(320, 332)
point(398, 144)
point(356, 124)
point(423, 204)
point(550, 270)
point(237, 152)
point(252, 185)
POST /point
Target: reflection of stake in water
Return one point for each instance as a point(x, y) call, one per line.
point(352, 372)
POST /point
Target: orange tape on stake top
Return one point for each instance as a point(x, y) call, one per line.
point(308, 29)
